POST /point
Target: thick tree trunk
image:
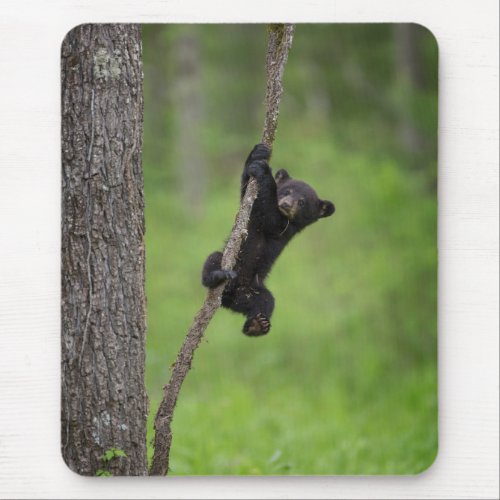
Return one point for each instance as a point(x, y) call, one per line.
point(104, 403)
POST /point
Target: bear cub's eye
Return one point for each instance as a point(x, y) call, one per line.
point(301, 203)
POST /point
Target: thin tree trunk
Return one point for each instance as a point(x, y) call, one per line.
point(280, 38)
point(104, 403)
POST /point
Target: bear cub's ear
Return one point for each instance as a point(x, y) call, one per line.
point(326, 208)
point(281, 175)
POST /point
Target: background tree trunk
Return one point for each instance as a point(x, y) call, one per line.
point(104, 403)
point(410, 70)
point(189, 112)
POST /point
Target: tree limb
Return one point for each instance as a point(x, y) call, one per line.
point(279, 42)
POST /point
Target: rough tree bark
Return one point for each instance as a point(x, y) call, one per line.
point(279, 43)
point(104, 403)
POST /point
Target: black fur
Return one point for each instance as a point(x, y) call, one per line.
point(283, 207)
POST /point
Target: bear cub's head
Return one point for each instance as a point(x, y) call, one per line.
point(299, 202)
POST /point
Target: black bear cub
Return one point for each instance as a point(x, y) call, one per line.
point(284, 206)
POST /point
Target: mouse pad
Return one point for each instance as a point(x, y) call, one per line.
point(308, 344)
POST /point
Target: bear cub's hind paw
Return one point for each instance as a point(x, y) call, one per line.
point(256, 326)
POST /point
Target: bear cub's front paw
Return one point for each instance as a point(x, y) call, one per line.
point(258, 168)
point(260, 152)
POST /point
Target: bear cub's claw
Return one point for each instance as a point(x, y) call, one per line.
point(256, 326)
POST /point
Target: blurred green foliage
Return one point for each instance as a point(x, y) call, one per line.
point(346, 381)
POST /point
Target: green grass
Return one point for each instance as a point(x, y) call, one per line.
point(345, 382)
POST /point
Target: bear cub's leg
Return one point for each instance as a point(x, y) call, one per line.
point(261, 305)
point(212, 275)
